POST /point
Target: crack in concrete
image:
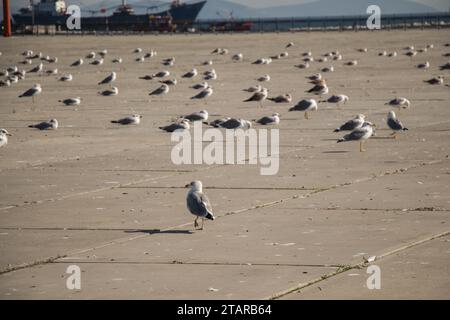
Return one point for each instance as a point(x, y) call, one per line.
point(354, 266)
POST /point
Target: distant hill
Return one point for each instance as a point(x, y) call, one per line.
point(343, 7)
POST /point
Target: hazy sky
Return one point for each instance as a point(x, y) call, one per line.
point(442, 5)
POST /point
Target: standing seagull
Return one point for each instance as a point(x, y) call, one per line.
point(319, 89)
point(360, 134)
point(305, 105)
point(394, 123)
point(4, 137)
point(258, 96)
point(33, 91)
point(198, 203)
point(352, 124)
point(111, 78)
point(52, 124)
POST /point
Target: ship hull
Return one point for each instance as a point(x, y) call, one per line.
point(182, 15)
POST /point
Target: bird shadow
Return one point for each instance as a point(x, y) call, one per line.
point(158, 231)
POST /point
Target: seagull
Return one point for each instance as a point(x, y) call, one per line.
point(169, 61)
point(302, 65)
point(327, 69)
point(351, 63)
point(274, 119)
point(12, 69)
point(103, 53)
point(445, 66)
point(90, 55)
point(32, 92)
point(305, 105)
point(233, 123)
point(182, 125)
point(237, 57)
point(133, 119)
point(37, 68)
point(337, 57)
point(308, 59)
point(140, 59)
point(137, 50)
point(26, 61)
point(160, 74)
point(284, 98)
point(13, 79)
point(190, 74)
point(360, 134)
point(290, 44)
point(338, 98)
point(97, 62)
point(411, 53)
point(382, 53)
point(324, 59)
point(256, 88)
point(392, 54)
point(425, 65)
point(52, 60)
point(170, 82)
point(77, 63)
point(109, 79)
point(71, 101)
point(259, 96)
point(210, 75)
point(394, 123)
point(52, 124)
point(5, 83)
point(202, 85)
point(151, 54)
point(435, 80)
point(203, 94)
point(52, 71)
point(65, 78)
point(198, 203)
point(117, 60)
point(218, 122)
point(163, 89)
point(399, 102)
point(352, 124)
point(264, 78)
point(114, 91)
point(362, 50)
point(207, 63)
point(4, 73)
point(315, 77)
point(197, 116)
point(4, 137)
point(260, 61)
point(319, 89)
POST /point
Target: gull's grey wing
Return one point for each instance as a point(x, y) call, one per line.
point(265, 120)
point(301, 106)
point(231, 124)
point(198, 204)
point(28, 93)
point(349, 125)
point(200, 95)
point(355, 135)
point(41, 126)
point(394, 124)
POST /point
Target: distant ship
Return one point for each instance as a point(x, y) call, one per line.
point(170, 16)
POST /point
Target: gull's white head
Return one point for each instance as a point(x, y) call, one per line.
point(391, 115)
point(361, 116)
point(195, 186)
point(5, 132)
